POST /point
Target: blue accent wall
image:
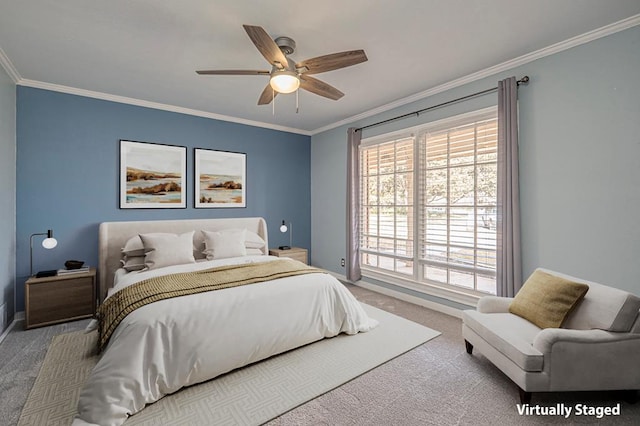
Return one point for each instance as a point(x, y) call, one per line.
point(67, 173)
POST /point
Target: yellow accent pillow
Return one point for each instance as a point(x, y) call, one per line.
point(546, 300)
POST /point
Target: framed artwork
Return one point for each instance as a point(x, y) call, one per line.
point(220, 179)
point(152, 176)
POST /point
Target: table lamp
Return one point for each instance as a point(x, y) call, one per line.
point(283, 229)
point(47, 243)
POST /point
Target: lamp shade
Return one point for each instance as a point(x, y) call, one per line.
point(284, 81)
point(283, 227)
point(49, 243)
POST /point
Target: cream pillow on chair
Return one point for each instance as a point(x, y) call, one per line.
point(545, 300)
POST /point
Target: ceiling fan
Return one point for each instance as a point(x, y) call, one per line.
point(286, 76)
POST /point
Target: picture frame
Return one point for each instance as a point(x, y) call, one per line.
point(152, 175)
point(220, 179)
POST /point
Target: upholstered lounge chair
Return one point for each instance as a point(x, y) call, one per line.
point(596, 348)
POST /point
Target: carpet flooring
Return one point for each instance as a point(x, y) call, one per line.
point(434, 384)
point(248, 396)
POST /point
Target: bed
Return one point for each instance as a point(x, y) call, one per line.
point(160, 347)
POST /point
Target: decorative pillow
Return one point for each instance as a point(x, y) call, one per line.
point(133, 263)
point(167, 249)
point(224, 244)
point(254, 252)
point(253, 240)
point(133, 247)
point(546, 300)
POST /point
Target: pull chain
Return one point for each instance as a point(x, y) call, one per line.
point(273, 101)
point(297, 109)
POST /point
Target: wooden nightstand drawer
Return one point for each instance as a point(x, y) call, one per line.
point(57, 299)
point(295, 253)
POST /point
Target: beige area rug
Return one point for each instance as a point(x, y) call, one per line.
point(248, 396)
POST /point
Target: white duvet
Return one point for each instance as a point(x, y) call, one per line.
point(173, 343)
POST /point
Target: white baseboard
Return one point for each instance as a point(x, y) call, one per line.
point(6, 332)
point(411, 299)
point(19, 316)
point(454, 312)
point(3, 317)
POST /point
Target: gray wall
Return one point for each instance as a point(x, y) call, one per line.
point(7, 197)
point(579, 159)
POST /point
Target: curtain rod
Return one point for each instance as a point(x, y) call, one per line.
point(523, 80)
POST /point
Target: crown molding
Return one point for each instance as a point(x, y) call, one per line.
point(155, 105)
point(8, 67)
point(487, 72)
point(513, 63)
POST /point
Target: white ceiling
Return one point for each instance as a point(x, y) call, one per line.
point(148, 50)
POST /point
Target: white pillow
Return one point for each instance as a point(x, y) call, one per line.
point(167, 249)
point(224, 244)
point(253, 240)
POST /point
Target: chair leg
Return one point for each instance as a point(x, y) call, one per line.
point(525, 397)
point(469, 347)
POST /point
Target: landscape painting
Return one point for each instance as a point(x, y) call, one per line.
point(152, 175)
point(220, 179)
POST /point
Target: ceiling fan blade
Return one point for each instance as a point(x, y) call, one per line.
point(233, 72)
point(332, 61)
point(267, 95)
point(318, 87)
point(266, 46)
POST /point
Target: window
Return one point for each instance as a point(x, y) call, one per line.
point(448, 238)
point(386, 234)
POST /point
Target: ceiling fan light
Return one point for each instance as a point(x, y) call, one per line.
point(285, 82)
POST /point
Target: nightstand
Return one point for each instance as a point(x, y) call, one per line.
point(296, 253)
point(62, 298)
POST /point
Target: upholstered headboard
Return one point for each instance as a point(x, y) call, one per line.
point(113, 235)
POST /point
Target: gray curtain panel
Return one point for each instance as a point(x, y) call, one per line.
point(509, 258)
point(353, 205)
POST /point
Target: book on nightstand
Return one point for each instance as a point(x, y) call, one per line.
point(73, 271)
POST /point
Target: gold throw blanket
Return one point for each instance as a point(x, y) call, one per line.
point(118, 306)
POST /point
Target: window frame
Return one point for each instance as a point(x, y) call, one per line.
point(417, 281)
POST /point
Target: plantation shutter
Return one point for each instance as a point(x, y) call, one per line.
point(387, 207)
point(457, 195)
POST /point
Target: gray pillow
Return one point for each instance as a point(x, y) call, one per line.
point(133, 263)
point(133, 247)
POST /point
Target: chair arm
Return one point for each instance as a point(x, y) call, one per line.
point(493, 304)
point(545, 340)
point(589, 359)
